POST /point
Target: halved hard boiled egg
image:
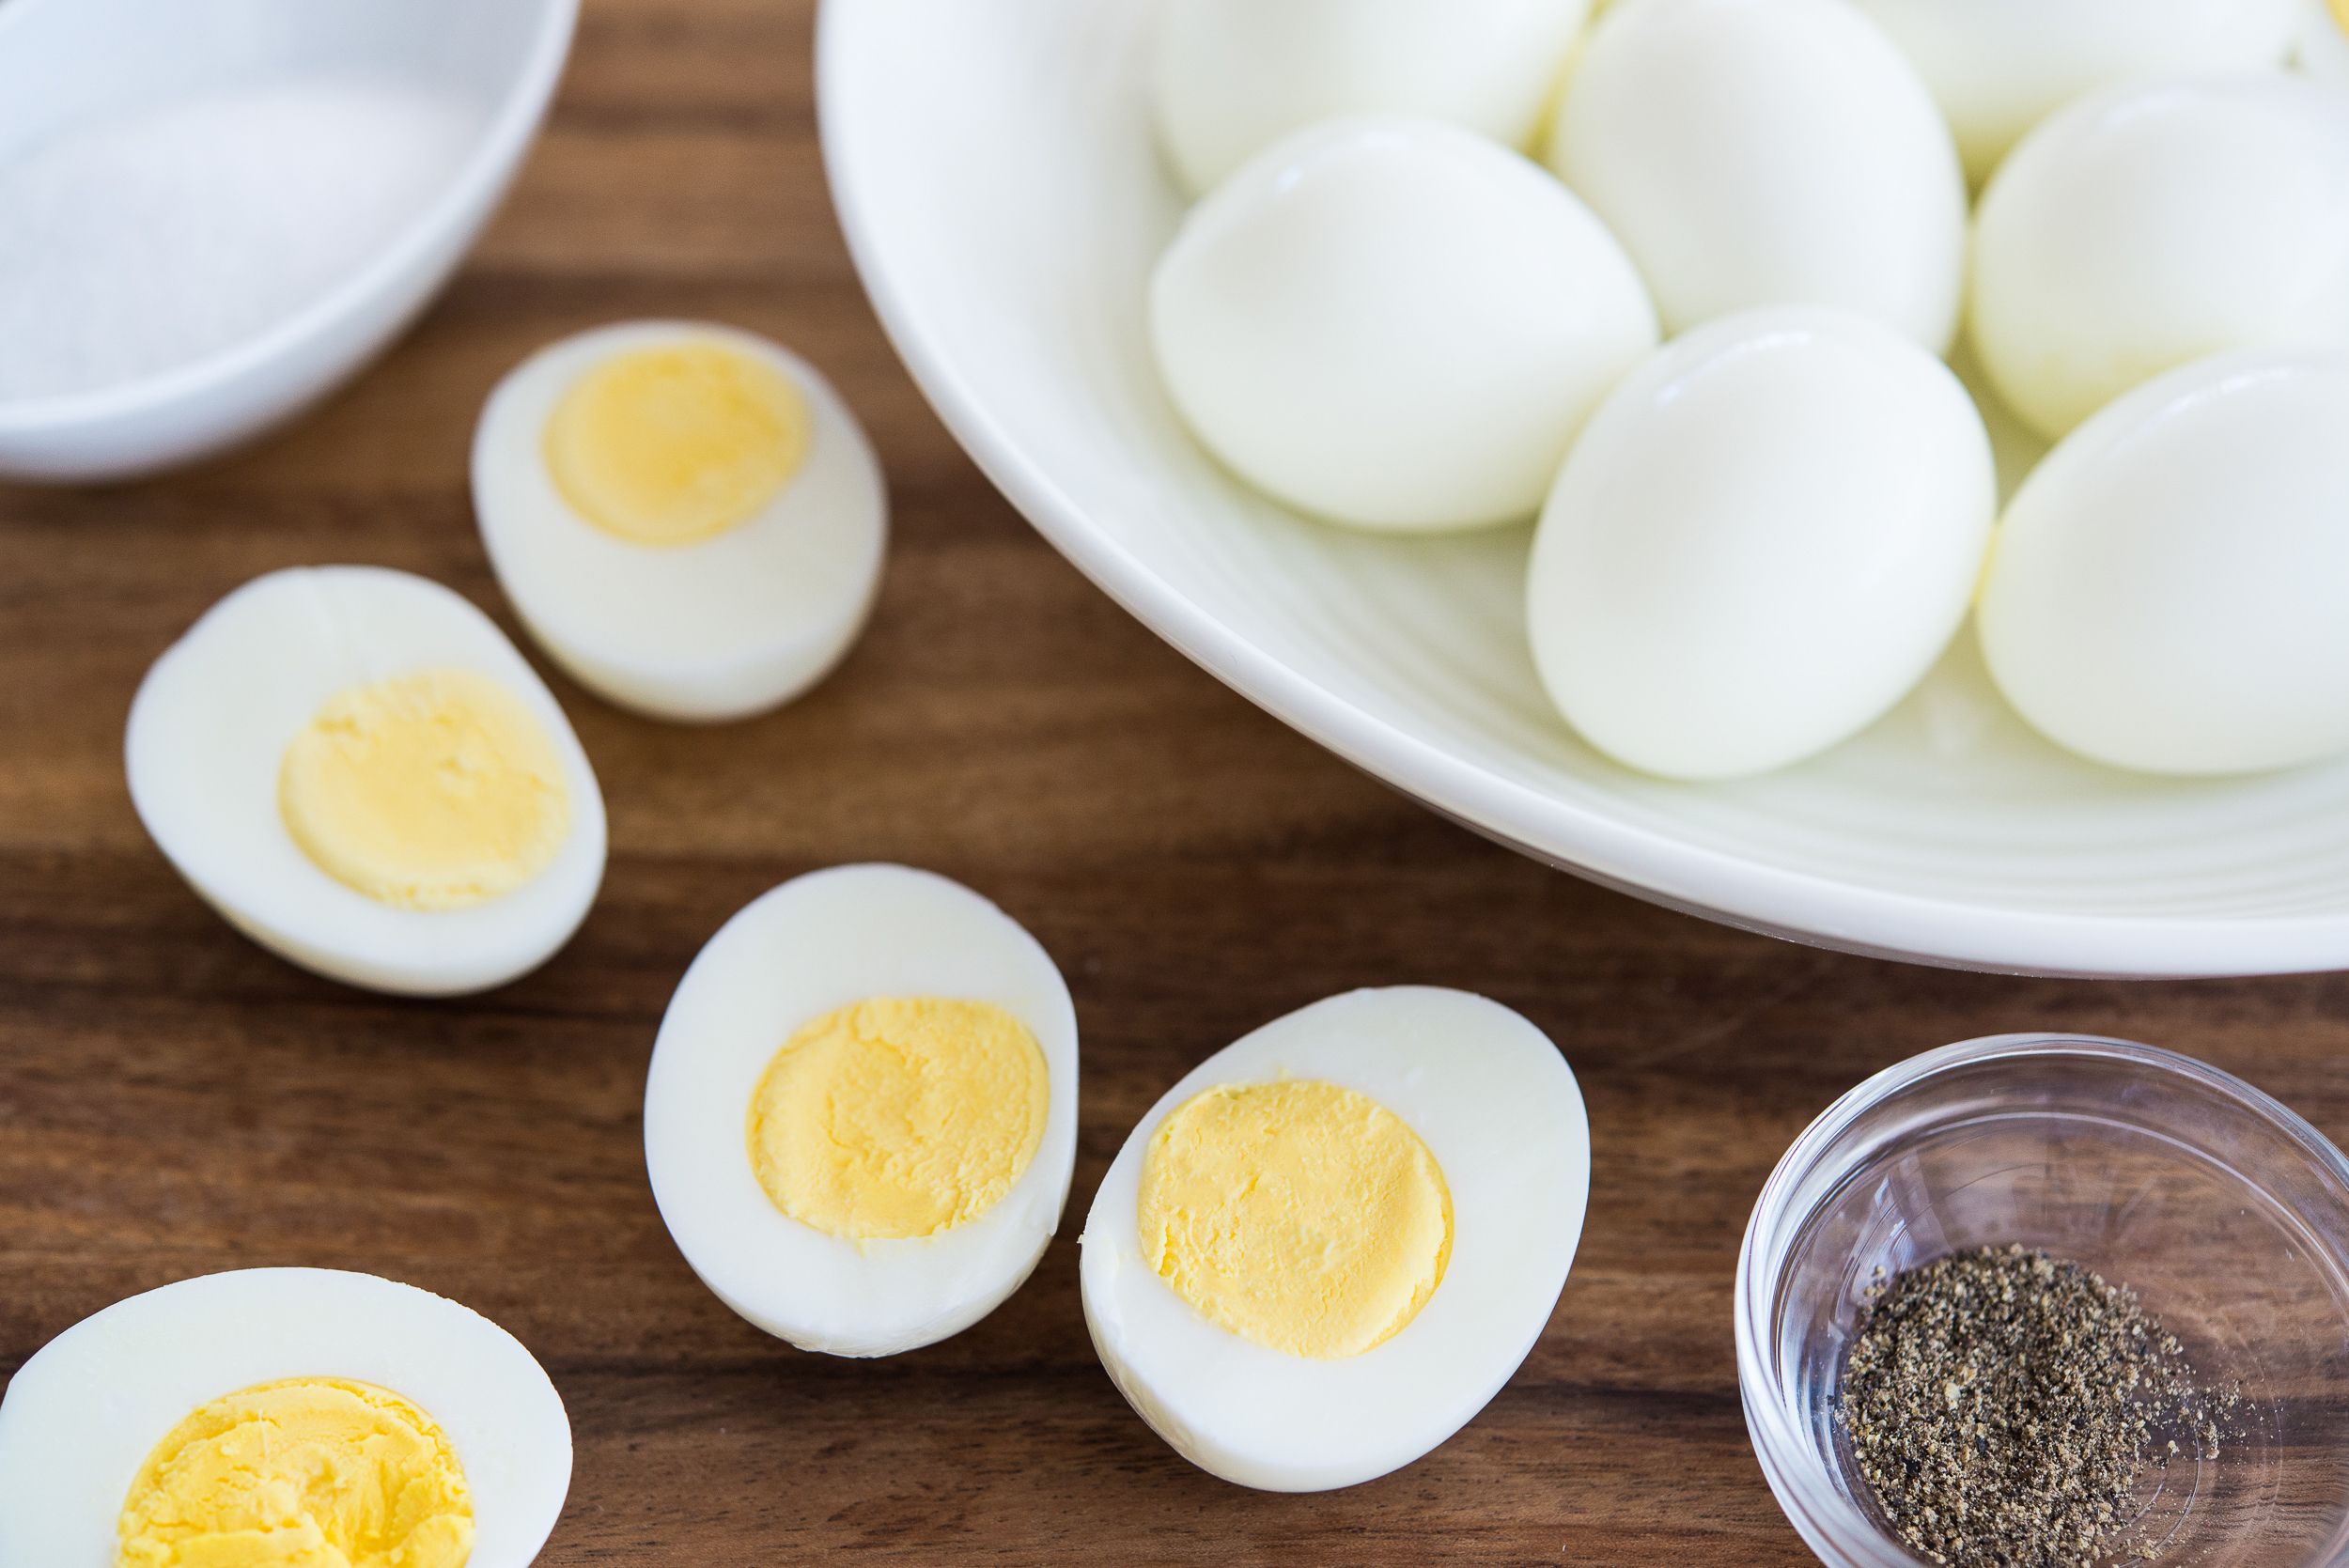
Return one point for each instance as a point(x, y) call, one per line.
point(1329, 1246)
point(358, 770)
point(862, 1115)
point(296, 1416)
point(686, 517)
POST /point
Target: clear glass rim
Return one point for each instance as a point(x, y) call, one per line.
point(1838, 1532)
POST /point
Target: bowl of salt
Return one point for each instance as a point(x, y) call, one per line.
point(212, 215)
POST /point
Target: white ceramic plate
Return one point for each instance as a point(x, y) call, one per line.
point(994, 167)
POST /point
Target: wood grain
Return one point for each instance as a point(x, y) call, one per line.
point(174, 1101)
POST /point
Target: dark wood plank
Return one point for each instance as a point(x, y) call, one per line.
point(174, 1101)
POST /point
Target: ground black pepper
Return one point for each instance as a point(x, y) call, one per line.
point(2006, 1405)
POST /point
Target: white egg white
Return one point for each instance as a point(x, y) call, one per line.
point(1231, 77)
point(1498, 1107)
point(1395, 323)
point(719, 629)
point(1763, 539)
point(2169, 591)
point(81, 1416)
point(819, 942)
point(208, 736)
point(2147, 226)
point(1760, 152)
point(2000, 67)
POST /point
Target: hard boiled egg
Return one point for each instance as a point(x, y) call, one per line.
point(1758, 152)
point(2000, 67)
point(1395, 323)
point(355, 767)
point(2151, 225)
point(282, 1414)
point(1231, 77)
point(1331, 1244)
point(862, 1115)
point(2171, 587)
point(686, 517)
point(1763, 539)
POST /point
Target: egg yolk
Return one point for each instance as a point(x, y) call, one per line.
point(2341, 14)
point(898, 1117)
point(433, 791)
point(675, 445)
point(1307, 1218)
point(308, 1473)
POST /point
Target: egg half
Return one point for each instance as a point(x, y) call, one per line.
point(357, 769)
point(1329, 1246)
point(2147, 226)
point(1395, 323)
point(221, 1418)
point(687, 517)
point(1765, 538)
point(1231, 77)
point(2169, 591)
point(1762, 152)
point(861, 1119)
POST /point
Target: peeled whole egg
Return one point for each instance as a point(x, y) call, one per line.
point(2170, 590)
point(1231, 77)
point(1395, 323)
point(358, 770)
point(863, 1023)
point(1409, 1166)
point(2000, 67)
point(82, 1423)
point(686, 517)
point(1762, 152)
point(2148, 227)
point(1763, 539)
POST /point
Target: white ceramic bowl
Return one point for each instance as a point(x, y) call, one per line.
point(65, 64)
point(994, 167)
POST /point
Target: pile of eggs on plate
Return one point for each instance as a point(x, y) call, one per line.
point(1705, 344)
point(1321, 1254)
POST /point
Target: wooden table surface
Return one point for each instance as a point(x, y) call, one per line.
point(174, 1101)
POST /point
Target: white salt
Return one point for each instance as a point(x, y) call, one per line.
point(153, 241)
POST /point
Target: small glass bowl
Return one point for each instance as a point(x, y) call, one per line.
point(2227, 1213)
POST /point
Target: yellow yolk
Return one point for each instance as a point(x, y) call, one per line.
point(675, 445)
point(2341, 14)
point(309, 1473)
point(432, 790)
point(898, 1116)
point(1302, 1215)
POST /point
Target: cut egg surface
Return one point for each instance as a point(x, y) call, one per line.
point(1767, 152)
point(2145, 227)
point(687, 517)
point(1328, 1247)
point(1766, 536)
point(358, 770)
point(2170, 590)
point(860, 1118)
point(1395, 323)
point(1231, 77)
point(282, 1414)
